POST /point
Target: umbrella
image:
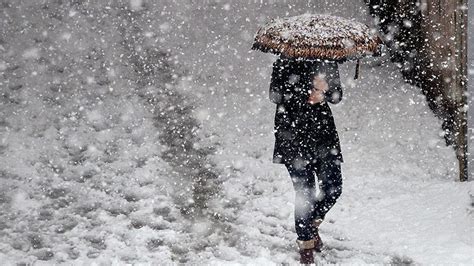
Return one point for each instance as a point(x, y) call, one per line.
point(317, 36)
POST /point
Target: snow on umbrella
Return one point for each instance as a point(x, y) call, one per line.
point(317, 36)
point(312, 36)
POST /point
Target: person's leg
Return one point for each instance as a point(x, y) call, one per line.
point(329, 174)
point(303, 180)
point(305, 196)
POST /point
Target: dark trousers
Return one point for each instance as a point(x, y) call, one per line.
point(307, 206)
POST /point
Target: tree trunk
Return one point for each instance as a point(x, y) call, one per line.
point(429, 40)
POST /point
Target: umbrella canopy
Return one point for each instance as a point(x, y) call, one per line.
point(314, 36)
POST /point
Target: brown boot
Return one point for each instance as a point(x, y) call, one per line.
point(318, 243)
point(306, 249)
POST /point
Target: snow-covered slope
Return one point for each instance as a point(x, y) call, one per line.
point(102, 158)
point(91, 134)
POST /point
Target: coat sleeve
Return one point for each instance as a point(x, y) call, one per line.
point(334, 92)
point(277, 83)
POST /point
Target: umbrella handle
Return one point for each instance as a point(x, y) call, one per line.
point(356, 76)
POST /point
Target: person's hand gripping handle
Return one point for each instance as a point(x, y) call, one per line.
point(320, 86)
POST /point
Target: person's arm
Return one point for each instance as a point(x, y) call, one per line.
point(334, 92)
point(277, 83)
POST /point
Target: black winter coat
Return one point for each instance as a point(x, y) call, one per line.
point(304, 133)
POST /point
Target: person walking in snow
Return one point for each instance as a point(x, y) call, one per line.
point(306, 141)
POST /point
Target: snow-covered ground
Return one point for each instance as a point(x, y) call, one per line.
point(145, 136)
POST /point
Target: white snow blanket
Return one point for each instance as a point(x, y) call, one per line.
point(93, 95)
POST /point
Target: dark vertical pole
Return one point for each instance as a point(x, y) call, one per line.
point(470, 88)
point(461, 84)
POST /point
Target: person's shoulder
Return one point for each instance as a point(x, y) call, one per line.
point(283, 63)
point(282, 60)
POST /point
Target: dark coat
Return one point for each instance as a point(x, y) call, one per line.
point(304, 133)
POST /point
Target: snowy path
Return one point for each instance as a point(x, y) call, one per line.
point(101, 172)
point(98, 157)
